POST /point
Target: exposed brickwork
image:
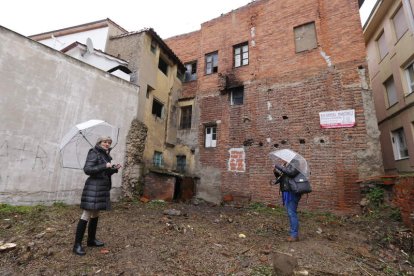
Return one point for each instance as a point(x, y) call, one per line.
point(284, 92)
point(159, 186)
point(404, 199)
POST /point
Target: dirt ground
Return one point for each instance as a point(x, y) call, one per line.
point(202, 240)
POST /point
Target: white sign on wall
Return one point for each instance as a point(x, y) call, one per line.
point(337, 119)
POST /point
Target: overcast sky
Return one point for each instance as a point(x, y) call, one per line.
point(167, 17)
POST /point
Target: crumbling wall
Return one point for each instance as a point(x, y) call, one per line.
point(133, 167)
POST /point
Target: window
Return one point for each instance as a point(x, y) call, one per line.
point(163, 66)
point(382, 46)
point(149, 89)
point(391, 92)
point(211, 63)
point(153, 46)
point(409, 71)
point(400, 24)
point(191, 72)
point(180, 75)
point(157, 159)
point(157, 108)
point(181, 163)
point(398, 144)
point(305, 37)
point(236, 96)
point(241, 54)
point(185, 120)
point(211, 137)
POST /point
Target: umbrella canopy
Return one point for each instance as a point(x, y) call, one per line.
point(293, 158)
point(76, 143)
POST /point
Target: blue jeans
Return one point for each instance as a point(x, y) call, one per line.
point(291, 208)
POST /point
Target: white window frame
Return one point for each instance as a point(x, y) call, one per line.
point(211, 136)
point(410, 79)
point(157, 159)
point(399, 144)
point(191, 71)
point(241, 54)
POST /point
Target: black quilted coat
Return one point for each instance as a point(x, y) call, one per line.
point(96, 193)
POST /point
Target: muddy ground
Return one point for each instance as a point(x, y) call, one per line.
point(202, 240)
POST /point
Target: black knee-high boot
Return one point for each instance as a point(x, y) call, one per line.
point(92, 241)
point(80, 231)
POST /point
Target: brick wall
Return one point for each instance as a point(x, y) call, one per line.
point(404, 199)
point(284, 92)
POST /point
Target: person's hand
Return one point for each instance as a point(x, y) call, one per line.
point(108, 165)
point(117, 166)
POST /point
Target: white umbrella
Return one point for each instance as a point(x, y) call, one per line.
point(293, 158)
point(76, 143)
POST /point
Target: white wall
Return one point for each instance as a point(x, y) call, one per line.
point(43, 93)
point(98, 37)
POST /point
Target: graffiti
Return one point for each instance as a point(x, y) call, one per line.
point(35, 156)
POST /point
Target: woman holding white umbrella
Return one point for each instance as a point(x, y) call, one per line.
point(96, 192)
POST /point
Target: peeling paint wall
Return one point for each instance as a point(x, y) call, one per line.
point(43, 94)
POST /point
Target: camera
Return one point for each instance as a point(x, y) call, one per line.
point(113, 167)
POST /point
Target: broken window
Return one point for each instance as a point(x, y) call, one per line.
point(305, 37)
point(211, 137)
point(180, 75)
point(191, 72)
point(400, 24)
point(181, 163)
point(157, 108)
point(185, 120)
point(211, 63)
point(236, 95)
point(241, 54)
point(157, 159)
point(391, 91)
point(163, 66)
point(153, 46)
point(382, 46)
point(399, 144)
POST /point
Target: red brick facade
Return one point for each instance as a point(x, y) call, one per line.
point(404, 198)
point(284, 92)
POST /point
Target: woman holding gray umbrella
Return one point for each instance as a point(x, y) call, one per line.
point(96, 192)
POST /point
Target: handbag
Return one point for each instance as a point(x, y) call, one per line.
point(300, 184)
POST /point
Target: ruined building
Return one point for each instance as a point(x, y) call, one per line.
point(270, 75)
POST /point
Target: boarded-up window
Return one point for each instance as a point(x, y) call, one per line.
point(391, 91)
point(305, 37)
point(241, 54)
point(400, 24)
point(382, 46)
point(212, 63)
point(185, 120)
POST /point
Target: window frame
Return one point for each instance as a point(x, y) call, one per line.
point(380, 37)
point(387, 91)
point(158, 159)
point(163, 65)
point(399, 12)
point(190, 76)
point(210, 139)
point(155, 111)
point(240, 47)
point(410, 79)
point(185, 117)
point(180, 165)
point(236, 100)
point(213, 62)
point(399, 145)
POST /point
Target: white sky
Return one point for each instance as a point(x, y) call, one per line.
point(167, 17)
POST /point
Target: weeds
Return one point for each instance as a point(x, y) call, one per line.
point(262, 271)
point(376, 196)
point(261, 208)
